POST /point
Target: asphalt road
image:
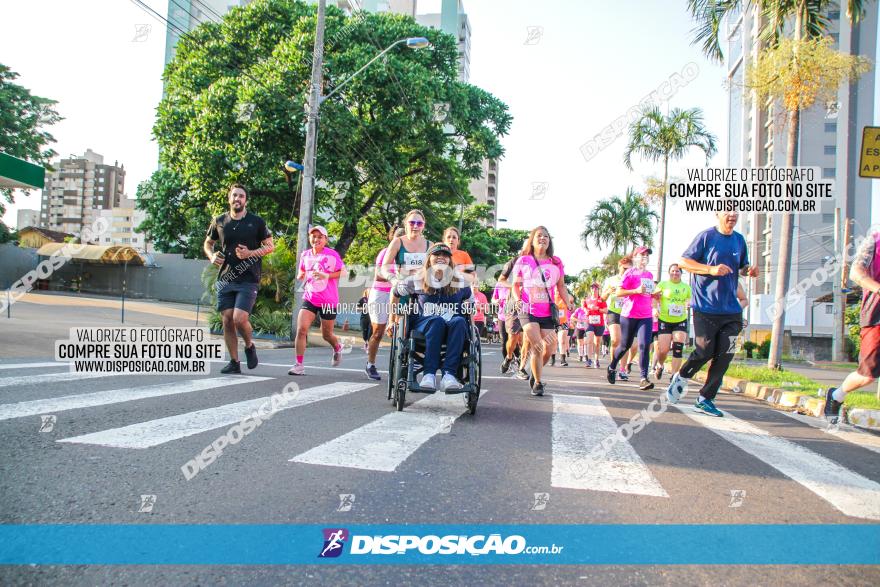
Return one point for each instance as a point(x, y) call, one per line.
point(340, 437)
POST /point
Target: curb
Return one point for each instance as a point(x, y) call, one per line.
point(808, 404)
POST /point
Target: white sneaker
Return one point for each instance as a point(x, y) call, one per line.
point(678, 388)
point(449, 382)
point(429, 381)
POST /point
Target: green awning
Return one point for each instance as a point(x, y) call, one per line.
point(18, 173)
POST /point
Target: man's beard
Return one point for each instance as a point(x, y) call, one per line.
point(237, 207)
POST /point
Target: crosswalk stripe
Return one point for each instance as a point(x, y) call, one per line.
point(113, 396)
point(844, 432)
point(383, 444)
point(580, 424)
point(33, 365)
point(849, 492)
point(50, 378)
point(155, 432)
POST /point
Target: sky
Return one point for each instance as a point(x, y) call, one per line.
point(566, 68)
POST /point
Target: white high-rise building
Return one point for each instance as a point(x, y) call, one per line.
point(829, 139)
point(78, 189)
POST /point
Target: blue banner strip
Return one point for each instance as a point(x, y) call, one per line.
point(668, 544)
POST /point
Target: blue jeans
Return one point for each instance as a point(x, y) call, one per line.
point(629, 328)
point(436, 331)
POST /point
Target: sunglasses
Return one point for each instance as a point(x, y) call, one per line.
point(416, 223)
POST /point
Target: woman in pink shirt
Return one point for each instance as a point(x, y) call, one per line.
point(636, 317)
point(481, 307)
point(320, 267)
point(538, 279)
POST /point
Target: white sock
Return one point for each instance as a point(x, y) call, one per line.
point(839, 395)
point(702, 399)
point(369, 364)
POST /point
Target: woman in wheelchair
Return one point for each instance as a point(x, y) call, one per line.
point(439, 312)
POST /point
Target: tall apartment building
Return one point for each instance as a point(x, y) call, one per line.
point(829, 139)
point(78, 189)
point(453, 20)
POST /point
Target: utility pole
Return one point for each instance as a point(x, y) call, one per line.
point(844, 277)
point(308, 179)
point(838, 347)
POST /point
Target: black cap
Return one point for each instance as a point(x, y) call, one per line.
point(439, 248)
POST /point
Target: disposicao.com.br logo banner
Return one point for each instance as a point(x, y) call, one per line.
point(429, 544)
point(437, 544)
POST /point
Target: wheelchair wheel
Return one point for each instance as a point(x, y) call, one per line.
point(392, 363)
point(475, 376)
point(400, 395)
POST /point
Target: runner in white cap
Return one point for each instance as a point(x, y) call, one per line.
point(320, 267)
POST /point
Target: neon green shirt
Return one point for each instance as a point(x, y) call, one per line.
point(673, 301)
point(614, 305)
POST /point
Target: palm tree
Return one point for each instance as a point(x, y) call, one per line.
point(619, 223)
point(586, 277)
point(810, 22)
point(663, 138)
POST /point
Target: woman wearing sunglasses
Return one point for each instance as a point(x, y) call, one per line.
point(408, 252)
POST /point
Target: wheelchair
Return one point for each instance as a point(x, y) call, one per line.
point(407, 358)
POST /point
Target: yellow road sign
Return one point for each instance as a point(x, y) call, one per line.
point(869, 159)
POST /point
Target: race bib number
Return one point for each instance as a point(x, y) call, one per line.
point(617, 305)
point(595, 319)
point(648, 285)
point(415, 260)
point(676, 310)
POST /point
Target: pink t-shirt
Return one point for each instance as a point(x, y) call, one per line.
point(321, 291)
point(499, 295)
point(536, 296)
point(382, 285)
point(637, 305)
point(480, 315)
point(580, 318)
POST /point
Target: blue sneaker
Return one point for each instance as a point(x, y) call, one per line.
point(707, 406)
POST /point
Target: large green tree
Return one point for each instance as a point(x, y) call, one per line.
point(619, 223)
point(656, 137)
point(234, 110)
point(23, 121)
point(792, 69)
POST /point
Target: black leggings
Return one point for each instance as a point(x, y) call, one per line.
point(629, 328)
point(715, 337)
point(502, 327)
